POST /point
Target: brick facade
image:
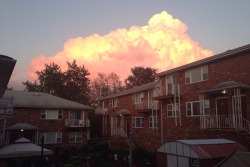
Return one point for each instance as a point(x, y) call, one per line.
point(228, 68)
point(28, 122)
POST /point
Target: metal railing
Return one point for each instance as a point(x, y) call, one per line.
point(145, 105)
point(226, 121)
point(77, 123)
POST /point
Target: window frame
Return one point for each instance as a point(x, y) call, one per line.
point(76, 135)
point(172, 110)
point(151, 122)
point(135, 120)
point(137, 98)
point(203, 75)
point(44, 114)
point(58, 137)
point(105, 104)
point(206, 106)
point(113, 102)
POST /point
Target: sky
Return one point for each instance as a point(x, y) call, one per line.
point(114, 36)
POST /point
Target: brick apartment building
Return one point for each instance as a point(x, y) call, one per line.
point(33, 115)
point(209, 98)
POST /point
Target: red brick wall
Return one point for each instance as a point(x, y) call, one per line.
point(232, 69)
point(32, 116)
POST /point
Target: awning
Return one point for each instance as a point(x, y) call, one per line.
point(23, 148)
point(122, 112)
point(24, 126)
point(225, 86)
point(169, 96)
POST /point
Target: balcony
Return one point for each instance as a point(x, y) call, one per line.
point(228, 121)
point(147, 106)
point(77, 123)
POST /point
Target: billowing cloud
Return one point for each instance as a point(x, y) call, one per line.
point(163, 44)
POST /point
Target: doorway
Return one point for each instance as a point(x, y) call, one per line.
point(222, 106)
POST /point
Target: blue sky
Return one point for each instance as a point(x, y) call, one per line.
point(33, 27)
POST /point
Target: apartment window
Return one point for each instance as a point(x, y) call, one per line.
point(51, 137)
point(153, 122)
point(114, 102)
point(172, 109)
point(194, 108)
point(105, 104)
point(172, 84)
point(196, 75)
point(137, 98)
point(137, 122)
point(51, 114)
point(75, 137)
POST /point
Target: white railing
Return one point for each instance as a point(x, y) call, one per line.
point(153, 104)
point(245, 125)
point(119, 132)
point(227, 121)
point(77, 123)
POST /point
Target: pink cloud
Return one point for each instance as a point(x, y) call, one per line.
point(163, 44)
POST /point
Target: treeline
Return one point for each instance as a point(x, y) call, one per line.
point(74, 83)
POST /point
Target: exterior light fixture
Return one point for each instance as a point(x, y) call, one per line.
point(223, 91)
point(21, 130)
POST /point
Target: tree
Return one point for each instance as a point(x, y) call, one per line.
point(73, 84)
point(77, 84)
point(50, 80)
point(140, 76)
point(105, 85)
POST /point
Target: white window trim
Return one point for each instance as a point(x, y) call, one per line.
point(188, 75)
point(76, 135)
point(172, 110)
point(151, 122)
point(103, 104)
point(171, 79)
point(134, 122)
point(113, 102)
point(45, 114)
point(58, 135)
point(139, 96)
point(192, 112)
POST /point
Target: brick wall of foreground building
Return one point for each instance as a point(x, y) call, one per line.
point(33, 117)
point(230, 67)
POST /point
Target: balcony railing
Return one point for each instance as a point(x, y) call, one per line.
point(77, 123)
point(227, 121)
point(146, 105)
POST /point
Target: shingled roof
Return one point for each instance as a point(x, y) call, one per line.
point(42, 100)
point(143, 87)
point(223, 55)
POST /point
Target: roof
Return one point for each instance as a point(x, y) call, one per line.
point(19, 126)
point(220, 56)
point(201, 148)
point(238, 158)
point(7, 65)
point(122, 112)
point(22, 148)
point(225, 85)
point(143, 87)
point(41, 100)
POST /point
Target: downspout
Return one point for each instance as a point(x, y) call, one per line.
point(161, 124)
